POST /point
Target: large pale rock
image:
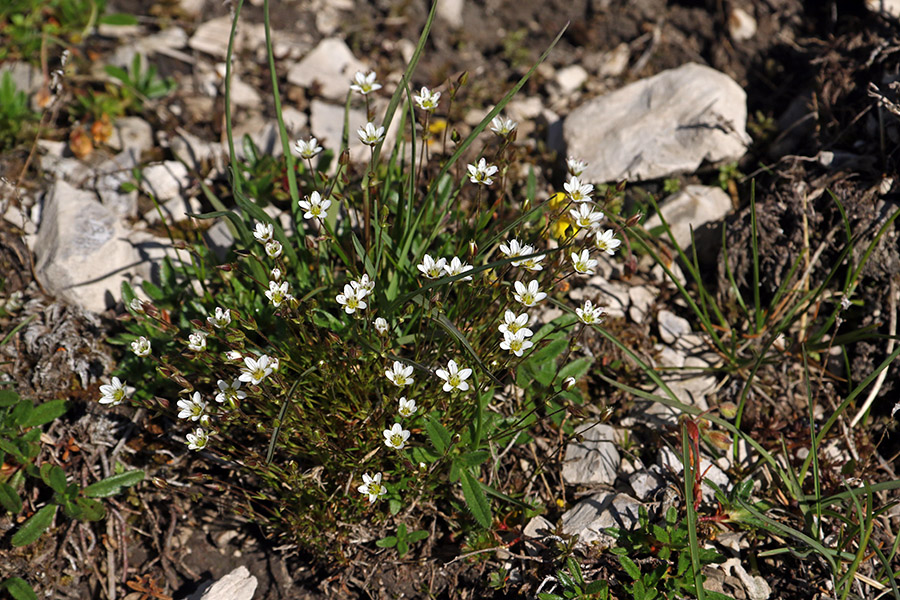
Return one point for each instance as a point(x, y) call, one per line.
point(212, 36)
point(692, 207)
point(81, 251)
point(593, 460)
point(331, 65)
point(237, 585)
point(659, 126)
point(166, 180)
point(592, 515)
point(327, 124)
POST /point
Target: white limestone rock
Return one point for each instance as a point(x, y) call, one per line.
point(593, 460)
point(166, 180)
point(331, 65)
point(694, 206)
point(671, 326)
point(174, 210)
point(592, 515)
point(237, 585)
point(571, 78)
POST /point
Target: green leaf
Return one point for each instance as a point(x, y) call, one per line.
point(19, 589)
point(21, 412)
point(118, 19)
point(438, 434)
point(632, 569)
point(113, 485)
point(600, 588)
point(117, 72)
point(46, 412)
point(476, 501)
point(418, 535)
point(90, 509)
point(32, 529)
point(473, 459)
point(387, 542)
point(9, 499)
point(8, 398)
point(55, 477)
point(151, 290)
point(578, 368)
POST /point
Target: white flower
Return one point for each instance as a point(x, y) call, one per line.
point(516, 343)
point(274, 363)
point(273, 249)
point(481, 173)
point(569, 383)
point(503, 127)
point(370, 136)
point(277, 293)
point(432, 269)
point(351, 299)
point(576, 167)
point(197, 341)
point(514, 324)
point(381, 325)
point(407, 407)
point(192, 408)
point(307, 150)
point(606, 242)
point(454, 377)
point(400, 374)
point(198, 439)
point(315, 207)
point(590, 314)
point(276, 274)
point(113, 392)
point(372, 487)
point(577, 191)
point(427, 100)
point(141, 346)
point(585, 216)
point(395, 437)
point(233, 355)
point(230, 393)
point(458, 267)
point(529, 296)
point(364, 286)
point(256, 370)
point(264, 232)
point(583, 262)
point(137, 305)
point(365, 83)
point(845, 303)
point(534, 263)
point(514, 249)
point(220, 319)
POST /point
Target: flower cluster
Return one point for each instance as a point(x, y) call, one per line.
point(353, 298)
point(435, 269)
point(515, 249)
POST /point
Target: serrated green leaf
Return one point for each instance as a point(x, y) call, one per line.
point(32, 529)
point(438, 434)
point(46, 412)
point(476, 501)
point(19, 589)
point(113, 485)
point(630, 567)
point(9, 498)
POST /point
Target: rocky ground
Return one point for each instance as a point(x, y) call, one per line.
point(798, 100)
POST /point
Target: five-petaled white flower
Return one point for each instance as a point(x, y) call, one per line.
point(277, 293)
point(432, 269)
point(307, 149)
point(273, 249)
point(607, 242)
point(371, 135)
point(590, 314)
point(516, 343)
point(575, 166)
point(372, 487)
point(198, 439)
point(230, 393)
point(529, 296)
point(407, 407)
point(197, 341)
point(255, 370)
point(192, 408)
point(113, 392)
point(458, 267)
point(137, 305)
point(514, 249)
point(400, 374)
point(141, 346)
point(481, 173)
point(221, 318)
point(583, 262)
point(427, 100)
point(577, 191)
point(381, 325)
point(264, 232)
point(364, 286)
point(365, 83)
point(502, 126)
point(514, 324)
point(351, 299)
point(585, 216)
point(454, 377)
point(396, 436)
point(533, 263)
point(316, 207)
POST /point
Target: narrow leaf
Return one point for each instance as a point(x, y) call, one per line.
point(113, 485)
point(32, 529)
point(476, 501)
point(9, 499)
point(46, 412)
point(19, 589)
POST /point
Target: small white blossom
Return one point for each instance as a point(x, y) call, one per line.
point(197, 341)
point(407, 407)
point(583, 263)
point(400, 374)
point(845, 302)
point(503, 127)
point(457, 267)
point(141, 346)
point(315, 207)
point(569, 383)
point(233, 355)
point(364, 286)
point(307, 149)
point(514, 324)
point(590, 314)
point(372, 487)
point(454, 377)
point(576, 167)
point(192, 408)
point(516, 343)
point(432, 269)
point(577, 191)
point(365, 83)
point(533, 263)
point(264, 232)
point(113, 393)
point(137, 305)
point(585, 216)
point(273, 249)
point(276, 274)
point(274, 363)
point(198, 439)
point(351, 299)
point(528, 296)
point(371, 135)
point(230, 393)
point(513, 249)
point(607, 242)
point(277, 293)
point(427, 100)
point(255, 370)
point(396, 436)
point(482, 172)
point(381, 325)
point(220, 319)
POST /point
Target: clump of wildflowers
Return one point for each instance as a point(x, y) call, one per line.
point(513, 324)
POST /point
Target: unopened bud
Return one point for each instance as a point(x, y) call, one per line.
point(569, 383)
point(633, 220)
point(344, 160)
point(473, 248)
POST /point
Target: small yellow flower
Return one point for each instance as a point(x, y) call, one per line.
point(556, 200)
point(562, 229)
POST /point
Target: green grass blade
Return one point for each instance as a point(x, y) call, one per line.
point(689, 477)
